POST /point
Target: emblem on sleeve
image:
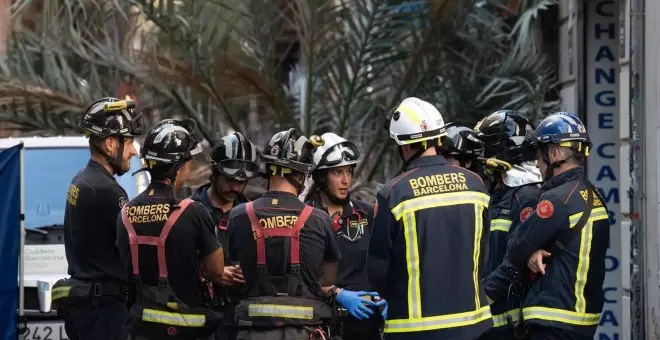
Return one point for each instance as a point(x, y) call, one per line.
point(525, 213)
point(122, 202)
point(545, 209)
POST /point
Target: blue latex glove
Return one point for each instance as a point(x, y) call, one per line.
point(355, 305)
point(382, 304)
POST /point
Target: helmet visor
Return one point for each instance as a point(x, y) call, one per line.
point(237, 168)
point(341, 152)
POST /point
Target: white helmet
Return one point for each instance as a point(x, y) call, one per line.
point(415, 121)
point(337, 151)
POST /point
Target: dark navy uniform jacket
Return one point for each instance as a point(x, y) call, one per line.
point(570, 294)
point(508, 208)
point(428, 249)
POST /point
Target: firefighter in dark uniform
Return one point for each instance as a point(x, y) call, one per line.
point(165, 280)
point(514, 195)
point(93, 202)
point(352, 220)
point(287, 250)
point(233, 161)
point(461, 147)
point(428, 244)
point(570, 229)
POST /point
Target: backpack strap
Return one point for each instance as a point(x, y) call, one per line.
point(292, 233)
point(136, 240)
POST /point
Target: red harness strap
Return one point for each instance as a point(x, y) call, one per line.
point(293, 233)
point(136, 240)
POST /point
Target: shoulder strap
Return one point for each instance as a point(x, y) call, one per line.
point(136, 240)
point(584, 218)
point(293, 233)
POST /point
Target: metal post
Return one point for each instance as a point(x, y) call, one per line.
point(637, 166)
point(21, 260)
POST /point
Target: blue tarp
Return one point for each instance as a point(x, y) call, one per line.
point(10, 215)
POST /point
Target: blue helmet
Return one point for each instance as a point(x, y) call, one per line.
point(561, 127)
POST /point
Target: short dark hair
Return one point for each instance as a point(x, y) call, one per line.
point(162, 171)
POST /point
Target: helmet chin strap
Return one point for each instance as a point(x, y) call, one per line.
point(115, 162)
point(550, 166)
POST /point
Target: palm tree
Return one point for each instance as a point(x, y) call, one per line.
point(261, 66)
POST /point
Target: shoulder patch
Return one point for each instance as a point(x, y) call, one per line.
point(525, 213)
point(122, 201)
point(545, 209)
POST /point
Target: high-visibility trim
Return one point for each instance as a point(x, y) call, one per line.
point(500, 225)
point(439, 200)
point(175, 319)
point(499, 320)
point(597, 214)
point(410, 112)
point(476, 250)
point(561, 315)
point(586, 237)
point(438, 322)
point(412, 264)
point(60, 292)
point(280, 311)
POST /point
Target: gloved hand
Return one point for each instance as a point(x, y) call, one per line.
point(382, 305)
point(355, 305)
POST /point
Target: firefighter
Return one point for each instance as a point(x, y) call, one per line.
point(427, 248)
point(233, 162)
point(513, 198)
point(162, 241)
point(570, 229)
point(461, 147)
point(286, 249)
point(352, 220)
point(93, 202)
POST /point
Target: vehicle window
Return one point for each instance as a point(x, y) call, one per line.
point(48, 173)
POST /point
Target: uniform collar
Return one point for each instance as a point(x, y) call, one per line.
point(279, 194)
point(160, 189)
point(96, 165)
point(202, 195)
point(562, 178)
point(315, 201)
point(426, 161)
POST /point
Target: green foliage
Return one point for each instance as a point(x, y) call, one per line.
point(223, 63)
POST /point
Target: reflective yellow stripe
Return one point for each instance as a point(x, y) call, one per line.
point(175, 319)
point(60, 292)
point(438, 322)
point(412, 264)
point(281, 311)
point(560, 315)
point(500, 225)
point(478, 230)
point(439, 200)
point(410, 112)
point(499, 320)
point(586, 236)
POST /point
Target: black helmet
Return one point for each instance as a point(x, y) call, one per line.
point(503, 133)
point(289, 149)
point(461, 141)
point(112, 117)
point(172, 141)
point(235, 156)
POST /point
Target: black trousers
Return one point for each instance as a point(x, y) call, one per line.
point(500, 333)
point(96, 319)
point(354, 329)
point(552, 333)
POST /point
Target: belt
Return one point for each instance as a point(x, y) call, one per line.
point(106, 288)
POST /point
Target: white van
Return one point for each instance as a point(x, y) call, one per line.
point(49, 164)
